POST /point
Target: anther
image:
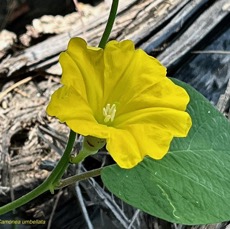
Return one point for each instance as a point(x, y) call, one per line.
point(109, 112)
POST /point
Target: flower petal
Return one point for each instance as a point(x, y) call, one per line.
point(176, 122)
point(128, 72)
point(163, 106)
point(164, 94)
point(128, 147)
point(123, 148)
point(83, 68)
point(71, 75)
point(68, 106)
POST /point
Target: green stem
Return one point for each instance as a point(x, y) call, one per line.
point(79, 177)
point(25, 199)
point(49, 183)
point(109, 25)
point(62, 165)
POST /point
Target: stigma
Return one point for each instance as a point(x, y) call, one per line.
point(109, 112)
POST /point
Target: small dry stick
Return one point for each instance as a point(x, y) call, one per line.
point(224, 100)
point(21, 92)
point(9, 89)
point(83, 207)
point(212, 52)
point(135, 216)
point(76, 4)
point(54, 209)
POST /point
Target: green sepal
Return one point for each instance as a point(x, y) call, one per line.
point(90, 146)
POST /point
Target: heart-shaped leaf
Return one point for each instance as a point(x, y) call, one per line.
point(191, 184)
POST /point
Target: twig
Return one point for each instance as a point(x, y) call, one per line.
point(4, 190)
point(9, 89)
point(8, 161)
point(76, 4)
point(110, 204)
point(83, 207)
point(53, 146)
point(137, 212)
point(53, 133)
point(224, 100)
point(54, 209)
point(21, 92)
point(212, 52)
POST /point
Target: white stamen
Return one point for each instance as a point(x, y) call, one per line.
point(104, 112)
point(109, 112)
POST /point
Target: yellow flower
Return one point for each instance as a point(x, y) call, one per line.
point(121, 95)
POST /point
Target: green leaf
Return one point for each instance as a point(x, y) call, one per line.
point(191, 184)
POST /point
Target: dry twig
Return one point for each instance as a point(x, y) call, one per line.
point(19, 83)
